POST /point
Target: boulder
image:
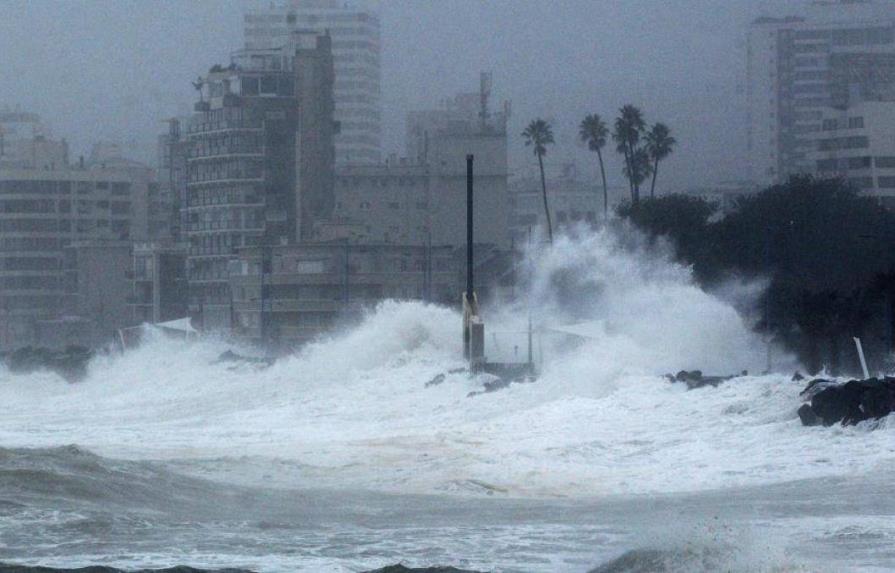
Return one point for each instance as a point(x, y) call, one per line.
point(695, 379)
point(70, 363)
point(807, 415)
point(230, 357)
point(848, 403)
point(403, 569)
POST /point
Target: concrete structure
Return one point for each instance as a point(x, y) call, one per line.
point(840, 53)
point(97, 287)
point(572, 200)
point(356, 53)
point(173, 154)
point(422, 200)
point(286, 295)
point(159, 283)
point(260, 161)
point(46, 208)
point(386, 204)
point(441, 138)
point(25, 143)
point(858, 144)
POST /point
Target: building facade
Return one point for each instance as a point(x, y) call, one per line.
point(839, 54)
point(96, 280)
point(45, 208)
point(288, 295)
point(159, 285)
point(260, 161)
point(356, 54)
point(858, 144)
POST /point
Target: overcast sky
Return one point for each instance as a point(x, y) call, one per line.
point(114, 69)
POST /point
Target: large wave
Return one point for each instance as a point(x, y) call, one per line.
point(353, 410)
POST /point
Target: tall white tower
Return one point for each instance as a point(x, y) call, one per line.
point(356, 52)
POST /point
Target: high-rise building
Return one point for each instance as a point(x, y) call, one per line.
point(839, 54)
point(857, 144)
point(260, 161)
point(356, 54)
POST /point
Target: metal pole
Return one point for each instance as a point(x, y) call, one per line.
point(531, 359)
point(469, 224)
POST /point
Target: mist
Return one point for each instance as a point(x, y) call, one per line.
point(104, 70)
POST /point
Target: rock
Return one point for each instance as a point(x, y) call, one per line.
point(797, 377)
point(70, 363)
point(849, 403)
point(695, 379)
point(403, 569)
point(816, 386)
point(436, 380)
point(232, 357)
point(807, 415)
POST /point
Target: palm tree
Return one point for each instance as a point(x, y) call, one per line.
point(659, 145)
point(638, 169)
point(539, 135)
point(594, 132)
point(629, 126)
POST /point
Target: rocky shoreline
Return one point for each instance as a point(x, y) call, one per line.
point(829, 402)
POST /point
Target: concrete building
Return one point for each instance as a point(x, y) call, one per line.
point(46, 208)
point(839, 53)
point(858, 144)
point(173, 156)
point(572, 200)
point(386, 204)
point(260, 161)
point(96, 281)
point(287, 295)
point(421, 200)
point(159, 283)
point(26, 144)
point(356, 54)
point(441, 138)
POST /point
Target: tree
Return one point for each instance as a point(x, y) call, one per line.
point(539, 135)
point(822, 247)
point(659, 145)
point(594, 132)
point(629, 126)
point(638, 169)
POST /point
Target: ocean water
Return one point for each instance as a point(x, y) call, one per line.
point(340, 458)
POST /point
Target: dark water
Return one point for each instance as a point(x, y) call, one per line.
point(66, 507)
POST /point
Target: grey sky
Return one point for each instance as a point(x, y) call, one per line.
point(114, 69)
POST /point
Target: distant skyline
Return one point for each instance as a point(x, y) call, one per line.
point(101, 70)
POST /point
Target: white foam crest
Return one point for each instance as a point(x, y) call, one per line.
point(353, 410)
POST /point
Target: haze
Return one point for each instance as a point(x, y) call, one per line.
point(115, 69)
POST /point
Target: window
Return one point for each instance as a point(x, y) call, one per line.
point(855, 122)
point(269, 85)
point(885, 162)
point(886, 182)
point(309, 267)
point(250, 86)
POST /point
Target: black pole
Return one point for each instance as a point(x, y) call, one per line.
point(469, 237)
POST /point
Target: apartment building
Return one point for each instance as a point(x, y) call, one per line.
point(356, 54)
point(45, 208)
point(287, 295)
point(858, 144)
point(838, 54)
point(259, 161)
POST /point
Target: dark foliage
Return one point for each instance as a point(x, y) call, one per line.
point(826, 251)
